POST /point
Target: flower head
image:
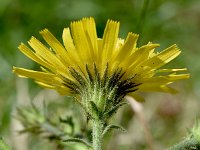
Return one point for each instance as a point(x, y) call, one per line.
point(99, 70)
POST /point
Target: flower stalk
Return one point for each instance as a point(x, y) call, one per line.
point(97, 134)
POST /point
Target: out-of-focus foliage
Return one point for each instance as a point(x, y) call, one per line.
point(163, 21)
point(58, 125)
point(192, 141)
point(3, 145)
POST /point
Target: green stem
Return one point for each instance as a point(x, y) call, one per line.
point(97, 134)
point(142, 17)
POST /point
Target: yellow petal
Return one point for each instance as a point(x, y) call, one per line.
point(164, 79)
point(156, 88)
point(142, 54)
point(71, 50)
point(45, 85)
point(56, 45)
point(47, 55)
point(64, 91)
point(162, 58)
point(80, 41)
point(120, 43)
point(61, 89)
point(67, 40)
point(171, 70)
point(174, 77)
point(109, 42)
point(136, 60)
point(91, 35)
point(128, 47)
point(29, 53)
point(39, 76)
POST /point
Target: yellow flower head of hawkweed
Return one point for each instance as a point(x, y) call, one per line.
point(99, 70)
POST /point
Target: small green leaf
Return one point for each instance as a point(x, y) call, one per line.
point(95, 110)
point(3, 145)
point(110, 127)
point(77, 140)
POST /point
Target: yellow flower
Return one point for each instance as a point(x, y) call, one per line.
point(86, 64)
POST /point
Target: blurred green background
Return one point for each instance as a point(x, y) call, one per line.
point(161, 21)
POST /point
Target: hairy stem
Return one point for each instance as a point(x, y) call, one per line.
point(97, 134)
point(187, 144)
